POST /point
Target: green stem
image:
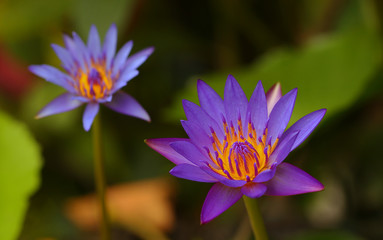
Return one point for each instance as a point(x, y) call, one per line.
point(100, 177)
point(255, 218)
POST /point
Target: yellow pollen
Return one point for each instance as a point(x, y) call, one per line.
point(95, 83)
point(239, 156)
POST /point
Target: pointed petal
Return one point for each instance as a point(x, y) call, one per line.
point(64, 56)
point(218, 200)
point(73, 50)
point(134, 61)
point(162, 146)
point(265, 175)
point(235, 101)
point(191, 172)
point(223, 179)
point(196, 114)
point(124, 78)
point(305, 126)
point(290, 180)
point(280, 116)
point(273, 96)
point(90, 113)
point(210, 101)
point(258, 110)
point(121, 56)
point(52, 75)
point(94, 43)
point(82, 50)
point(254, 190)
point(189, 151)
point(283, 149)
point(62, 103)
point(110, 42)
point(126, 104)
point(196, 134)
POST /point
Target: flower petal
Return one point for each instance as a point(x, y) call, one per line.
point(62, 103)
point(218, 200)
point(124, 78)
point(121, 56)
point(82, 50)
point(110, 42)
point(64, 56)
point(94, 43)
point(90, 113)
point(258, 110)
point(196, 134)
point(134, 61)
point(189, 151)
point(283, 149)
point(290, 180)
point(162, 146)
point(280, 116)
point(254, 190)
point(223, 179)
point(73, 50)
point(273, 96)
point(210, 101)
point(191, 172)
point(53, 75)
point(235, 101)
point(265, 175)
point(197, 115)
point(126, 104)
point(305, 126)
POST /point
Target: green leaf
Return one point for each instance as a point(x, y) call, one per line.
point(102, 14)
point(20, 163)
point(330, 72)
point(21, 18)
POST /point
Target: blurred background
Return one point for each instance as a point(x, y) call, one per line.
point(329, 49)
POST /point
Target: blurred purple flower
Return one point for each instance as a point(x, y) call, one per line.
point(240, 145)
point(94, 74)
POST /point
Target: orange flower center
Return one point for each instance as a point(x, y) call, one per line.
point(240, 157)
point(95, 83)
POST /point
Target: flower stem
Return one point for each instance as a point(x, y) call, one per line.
point(100, 177)
point(255, 217)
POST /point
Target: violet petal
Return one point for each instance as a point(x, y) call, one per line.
point(191, 172)
point(280, 116)
point(235, 101)
point(126, 104)
point(254, 190)
point(162, 146)
point(63, 103)
point(210, 101)
point(90, 113)
point(305, 126)
point(218, 200)
point(290, 180)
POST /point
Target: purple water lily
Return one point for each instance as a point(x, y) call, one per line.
point(94, 74)
point(240, 145)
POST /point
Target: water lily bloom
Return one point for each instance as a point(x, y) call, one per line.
point(94, 74)
point(240, 145)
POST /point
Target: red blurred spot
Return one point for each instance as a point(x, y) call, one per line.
point(15, 79)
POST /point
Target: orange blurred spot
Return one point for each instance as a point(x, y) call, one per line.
point(142, 207)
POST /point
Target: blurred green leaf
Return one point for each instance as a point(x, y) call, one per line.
point(22, 18)
point(20, 163)
point(330, 72)
point(102, 14)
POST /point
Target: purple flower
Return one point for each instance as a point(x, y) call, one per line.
point(94, 74)
point(240, 145)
